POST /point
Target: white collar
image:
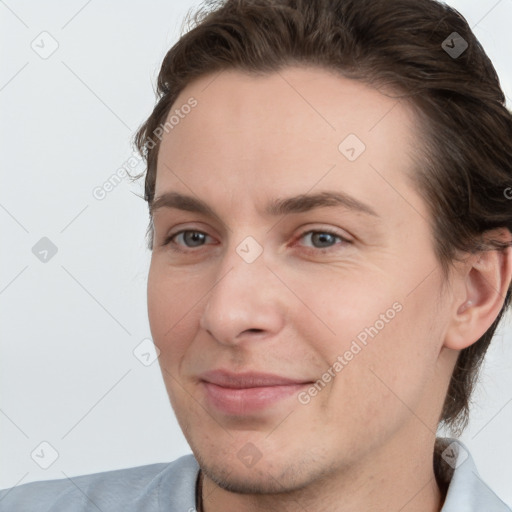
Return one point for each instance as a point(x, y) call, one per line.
point(467, 492)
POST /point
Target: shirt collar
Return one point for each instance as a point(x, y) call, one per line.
point(466, 492)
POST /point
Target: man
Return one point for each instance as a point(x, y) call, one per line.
point(331, 255)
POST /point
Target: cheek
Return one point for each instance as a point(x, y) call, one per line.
point(382, 349)
point(173, 305)
point(173, 313)
point(391, 378)
point(342, 307)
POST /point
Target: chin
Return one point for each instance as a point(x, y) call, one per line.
point(252, 480)
point(266, 476)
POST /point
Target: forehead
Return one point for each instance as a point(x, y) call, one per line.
point(287, 131)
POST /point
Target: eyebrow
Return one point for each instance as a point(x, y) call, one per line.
point(296, 204)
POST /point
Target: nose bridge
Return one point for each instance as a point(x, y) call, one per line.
point(243, 299)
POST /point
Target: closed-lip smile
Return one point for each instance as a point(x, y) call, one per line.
point(244, 393)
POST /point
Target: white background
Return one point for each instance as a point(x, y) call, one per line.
point(68, 327)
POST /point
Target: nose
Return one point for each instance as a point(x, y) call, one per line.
point(246, 303)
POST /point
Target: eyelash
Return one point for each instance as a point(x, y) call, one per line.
point(174, 247)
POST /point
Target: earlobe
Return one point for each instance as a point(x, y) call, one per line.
point(485, 285)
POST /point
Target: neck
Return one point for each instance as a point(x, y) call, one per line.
point(399, 477)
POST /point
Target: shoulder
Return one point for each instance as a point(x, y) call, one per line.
point(163, 486)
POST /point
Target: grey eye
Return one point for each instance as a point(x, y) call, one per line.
point(192, 238)
point(321, 239)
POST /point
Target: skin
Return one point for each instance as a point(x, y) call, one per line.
point(365, 441)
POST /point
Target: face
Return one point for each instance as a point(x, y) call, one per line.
point(293, 245)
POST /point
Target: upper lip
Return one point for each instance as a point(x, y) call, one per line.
point(228, 379)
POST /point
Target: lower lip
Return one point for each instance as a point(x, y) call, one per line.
point(239, 402)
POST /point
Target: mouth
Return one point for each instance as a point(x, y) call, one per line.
point(240, 394)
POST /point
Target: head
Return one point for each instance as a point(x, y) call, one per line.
point(339, 214)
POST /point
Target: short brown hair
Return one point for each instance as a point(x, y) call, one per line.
point(465, 160)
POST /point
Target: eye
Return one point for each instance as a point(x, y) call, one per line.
point(188, 238)
point(322, 239)
point(314, 239)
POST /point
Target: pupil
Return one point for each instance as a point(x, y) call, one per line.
point(322, 239)
point(193, 238)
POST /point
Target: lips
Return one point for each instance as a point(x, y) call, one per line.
point(228, 379)
point(246, 393)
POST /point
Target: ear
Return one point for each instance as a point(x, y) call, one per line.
point(483, 284)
